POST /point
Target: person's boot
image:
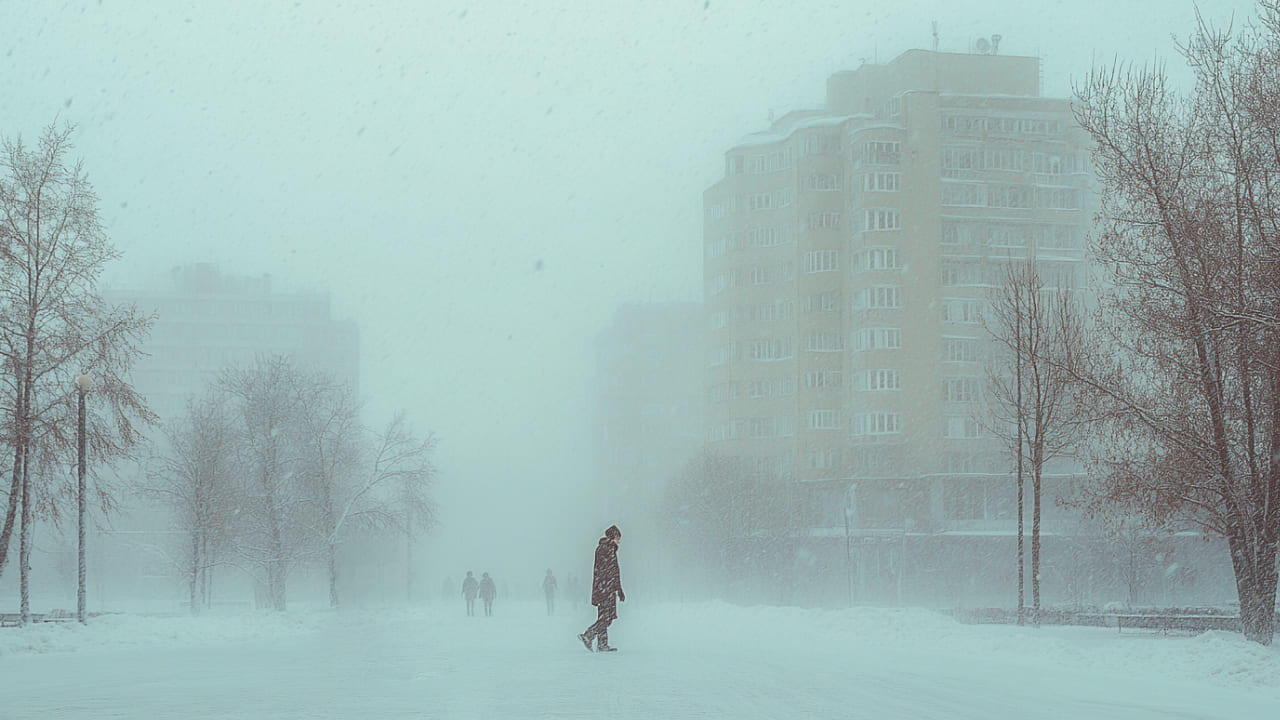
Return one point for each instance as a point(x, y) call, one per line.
point(586, 641)
point(602, 643)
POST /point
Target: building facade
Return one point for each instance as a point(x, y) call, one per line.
point(849, 254)
point(648, 420)
point(206, 321)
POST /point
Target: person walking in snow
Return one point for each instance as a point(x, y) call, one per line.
point(606, 590)
point(469, 589)
point(488, 591)
point(571, 585)
point(549, 589)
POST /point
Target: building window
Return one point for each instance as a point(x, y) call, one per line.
point(822, 379)
point(824, 420)
point(961, 274)
point(824, 220)
point(737, 164)
point(961, 389)
point(772, 274)
point(882, 153)
point(823, 459)
point(822, 302)
point(717, 320)
point(961, 311)
point(820, 261)
point(878, 297)
point(963, 195)
point(1009, 196)
point(771, 350)
point(877, 380)
point(824, 342)
point(882, 182)
point(761, 201)
point(877, 423)
point(960, 427)
point(822, 183)
point(876, 258)
point(1057, 198)
point(959, 349)
point(878, 219)
point(771, 312)
point(878, 339)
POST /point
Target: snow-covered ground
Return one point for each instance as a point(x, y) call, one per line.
point(704, 661)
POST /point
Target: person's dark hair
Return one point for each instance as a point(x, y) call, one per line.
point(613, 532)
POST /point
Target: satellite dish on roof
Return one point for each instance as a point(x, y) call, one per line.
point(982, 46)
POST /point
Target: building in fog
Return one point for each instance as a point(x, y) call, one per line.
point(849, 251)
point(648, 412)
point(648, 416)
point(207, 320)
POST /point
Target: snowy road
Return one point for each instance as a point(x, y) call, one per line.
point(705, 661)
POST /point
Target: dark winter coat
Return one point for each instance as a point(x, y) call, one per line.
point(487, 589)
point(549, 585)
point(606, 580)
point(469, 588)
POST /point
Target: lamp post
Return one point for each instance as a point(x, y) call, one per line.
point(850, 516)
point(82, 386)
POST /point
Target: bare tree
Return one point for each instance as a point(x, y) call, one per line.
point(195, 478)
point(1190, 384)
point(53, 327)
point(402, 465)
point(1031, 401)
point(330, 439)
point(276, 528)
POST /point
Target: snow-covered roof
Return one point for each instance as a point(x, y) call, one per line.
point(784, 129)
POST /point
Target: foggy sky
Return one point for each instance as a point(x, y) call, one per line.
point(478, 185)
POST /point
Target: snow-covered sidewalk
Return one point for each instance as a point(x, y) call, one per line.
point(707, 660)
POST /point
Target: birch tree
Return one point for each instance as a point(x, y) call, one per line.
point(196, 479)
point(54, 326)
point(1031, 398)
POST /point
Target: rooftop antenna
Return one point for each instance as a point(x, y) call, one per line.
point(935, 36)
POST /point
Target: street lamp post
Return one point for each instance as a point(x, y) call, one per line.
point(850, 510)
point(82, 385)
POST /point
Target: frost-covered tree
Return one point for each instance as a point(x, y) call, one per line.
point(54, 327)
point(275, 513)
point(196, 478)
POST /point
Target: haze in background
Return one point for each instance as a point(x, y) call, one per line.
point(478, 185)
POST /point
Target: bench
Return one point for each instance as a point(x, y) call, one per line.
point(1165, 623)
point(10, 619)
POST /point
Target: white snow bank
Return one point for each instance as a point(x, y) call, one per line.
point(723, 630)
point(115, 631)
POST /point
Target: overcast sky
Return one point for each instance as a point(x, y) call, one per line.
point(477, 184)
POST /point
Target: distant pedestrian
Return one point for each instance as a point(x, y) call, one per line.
point(606, 590)
point(549, 589)
point(488, 591)
point(469, 589)
point(573, 588)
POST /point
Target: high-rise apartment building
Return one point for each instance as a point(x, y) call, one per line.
point(207, 320)
point(848, 254)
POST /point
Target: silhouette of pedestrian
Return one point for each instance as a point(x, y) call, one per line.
point(469, 589)
point(488, 591)
point(549, 589)
point(606, 590)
